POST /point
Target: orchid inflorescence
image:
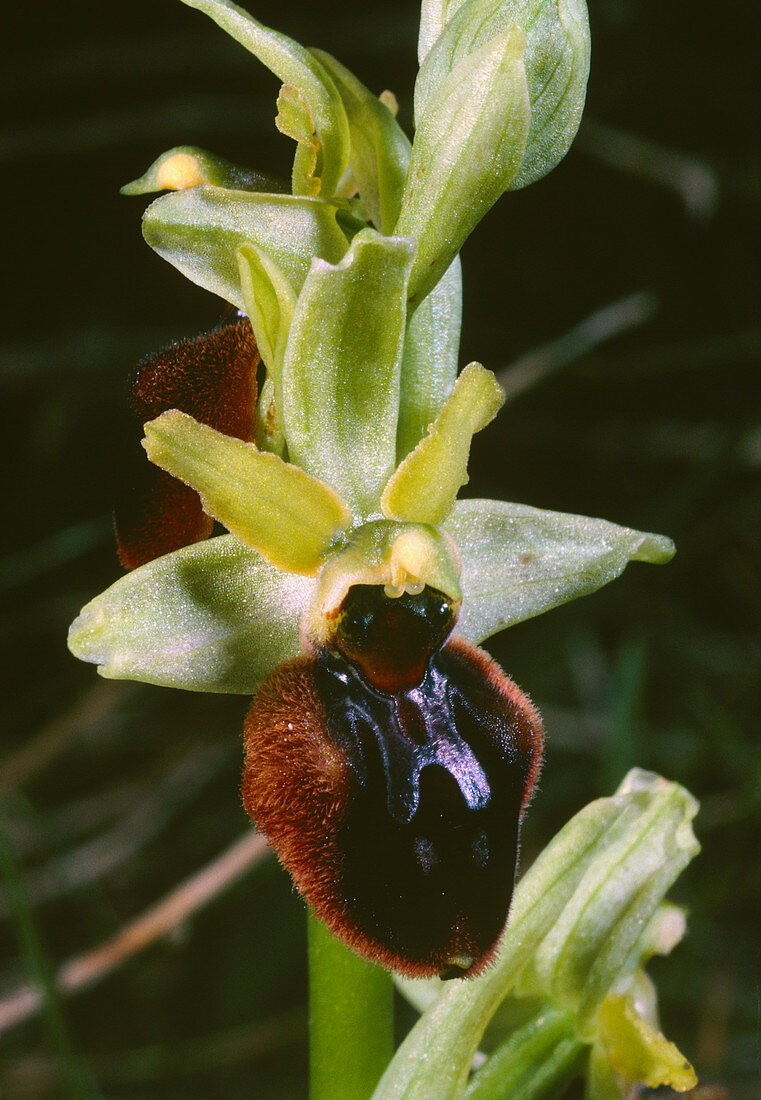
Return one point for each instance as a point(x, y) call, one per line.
point(388, 759)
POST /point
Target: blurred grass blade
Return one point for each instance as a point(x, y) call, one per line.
point(74, 1079)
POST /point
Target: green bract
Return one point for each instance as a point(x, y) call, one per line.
point(556, 60)
point(584, 919)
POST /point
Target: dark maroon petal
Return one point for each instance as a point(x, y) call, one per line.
point(156, 515)
point(211, 377)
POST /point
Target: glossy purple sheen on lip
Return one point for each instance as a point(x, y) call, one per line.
point(396, 811)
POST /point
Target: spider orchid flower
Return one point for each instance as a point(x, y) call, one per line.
point(388, 758)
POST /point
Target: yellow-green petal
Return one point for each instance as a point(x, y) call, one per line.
point(424, 487)
point(638, 1052)
point(292, 519)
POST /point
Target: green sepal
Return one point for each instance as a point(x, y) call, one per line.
point(269, 303)
point(580, 911)
point(429, 362)
point(520, 561)
point(210, 617)
point(200, 230)
point(424, 487)
point(292, 519)
point(469, 145)
point(294, 65)
point(188, 166)
point(556, 60)
point(380, 150)
point(342, 366)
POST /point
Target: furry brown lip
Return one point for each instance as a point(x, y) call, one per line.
point(390, 770)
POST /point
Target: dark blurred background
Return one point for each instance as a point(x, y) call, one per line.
point(113, 795)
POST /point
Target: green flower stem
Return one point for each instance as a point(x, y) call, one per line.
point(351, 1019)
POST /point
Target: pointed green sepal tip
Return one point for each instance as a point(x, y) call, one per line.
point(291, 518)
point(656, 549)
point(188, 166)
point(210, 617)
point(424, 486)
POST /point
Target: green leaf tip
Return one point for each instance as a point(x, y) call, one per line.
point(292, 519)
point(424, 487)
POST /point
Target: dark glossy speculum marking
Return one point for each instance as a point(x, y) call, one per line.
point(391, 638)
point(409, 851)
